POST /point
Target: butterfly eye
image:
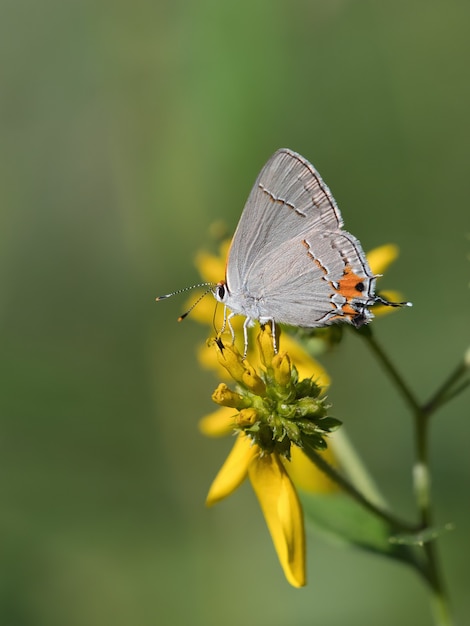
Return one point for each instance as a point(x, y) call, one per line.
point(220, 291)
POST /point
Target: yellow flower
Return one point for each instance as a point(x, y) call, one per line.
point(277, 497)
point(304, 473)
point(274, 412)
point(380, 259)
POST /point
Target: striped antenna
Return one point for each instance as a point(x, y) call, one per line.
point(174, 293)
point(379, 300)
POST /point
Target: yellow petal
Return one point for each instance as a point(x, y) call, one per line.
point(219, 423)
point(283, 514)
point(224, 396)
point(282, 368)
point(207, 357)
point(207, 311)
point(233, 472)
point(240, 369)
point(382, 257)
point(307, 476)
point(265, 341)
point(211, 267)
point(246, 417)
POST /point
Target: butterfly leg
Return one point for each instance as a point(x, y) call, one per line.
point(229, 324)
point(246, 324)
point(273, 333)
point(224, 325)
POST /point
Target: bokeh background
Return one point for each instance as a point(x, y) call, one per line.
point(126, 130)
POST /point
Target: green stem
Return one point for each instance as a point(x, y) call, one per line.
point(453, 393)
point(422, 486)
point(421, 474)
point(439, 600)
point(391, 370)
point(449, 388)
point(350, 489)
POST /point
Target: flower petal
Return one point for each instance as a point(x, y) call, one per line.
point(219, 423)
point(306, 475)
point(233, 472)
point(212, 267)
point(206, 311)
point(382, 257)
point(207, 357)
point(283, 514)
point(266, 342)
point(240, 369)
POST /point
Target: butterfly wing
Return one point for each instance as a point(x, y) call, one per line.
point(290, 259)
point(313, 280)
point(289, 199)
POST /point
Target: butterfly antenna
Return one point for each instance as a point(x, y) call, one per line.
point(174, 293)
point(181, 317)
point(380, 300)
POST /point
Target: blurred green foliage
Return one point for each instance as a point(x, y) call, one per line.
point(126, 129)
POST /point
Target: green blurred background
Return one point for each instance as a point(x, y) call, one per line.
point(126, 130)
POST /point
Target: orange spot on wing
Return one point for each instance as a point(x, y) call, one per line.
point(348, 285)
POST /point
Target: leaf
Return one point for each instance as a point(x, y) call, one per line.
point(342, 518)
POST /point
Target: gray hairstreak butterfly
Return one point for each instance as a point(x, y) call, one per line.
point(290, 260)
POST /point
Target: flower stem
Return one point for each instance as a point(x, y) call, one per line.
point(451, 387)
point(349, 488)
point(391, 370)
point(421, 473)
point(439, 600)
